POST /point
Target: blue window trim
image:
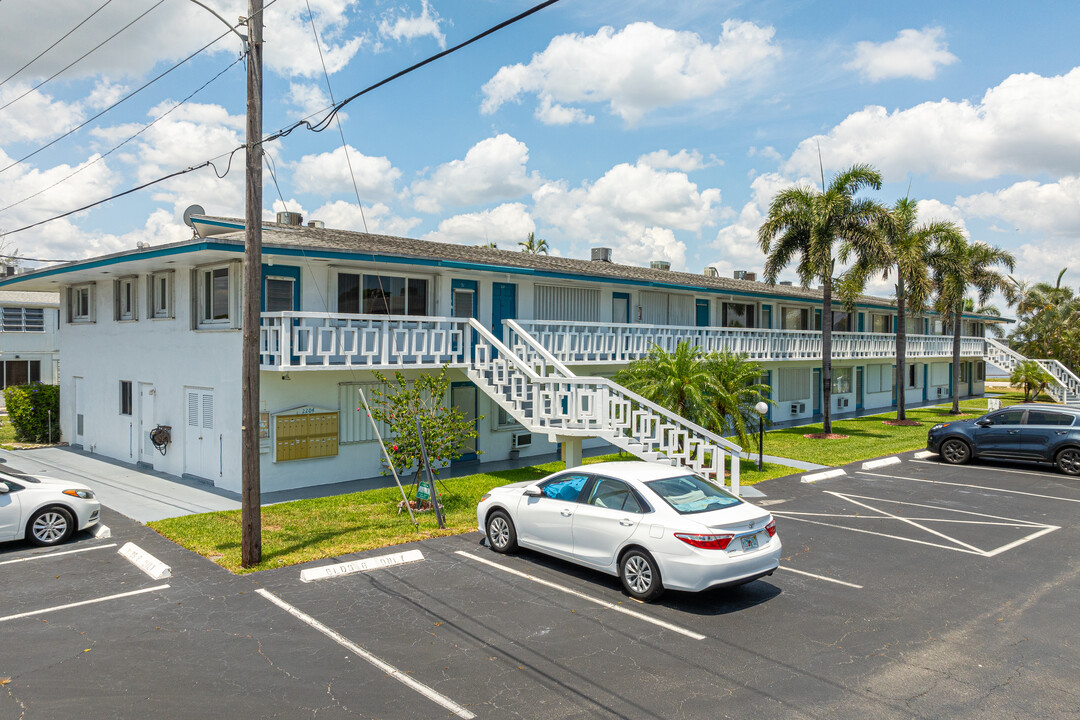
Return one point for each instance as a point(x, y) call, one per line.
point(289, 271)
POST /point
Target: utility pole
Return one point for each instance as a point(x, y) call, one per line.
point(251, 500)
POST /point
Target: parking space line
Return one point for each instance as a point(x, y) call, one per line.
point(1046, 529)
point(943, 536)
point(881, 534)
point(430, 693)
point(1048, 475)
point(55, 554)
point(583, 596)
point(977, 487)
point(820, 577)
point(83, 602)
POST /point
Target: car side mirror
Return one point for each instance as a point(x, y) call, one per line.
point(983, 423)
point(4, 488)
point(533, 491)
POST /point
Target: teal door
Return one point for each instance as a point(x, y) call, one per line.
point(702, 317)
point(817, 391)
point(766, 316)
point(464, 303)
point(463, 397)
point(859, 384)
point(503, 306)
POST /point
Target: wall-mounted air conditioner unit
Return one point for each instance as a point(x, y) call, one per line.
point(520, 440)
point(842, 402)
point(798, 408)
point(941, 392)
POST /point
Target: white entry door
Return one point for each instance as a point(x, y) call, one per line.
point(146, 422)
point(78, 407)
point(200, 440)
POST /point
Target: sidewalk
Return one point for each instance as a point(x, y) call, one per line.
point(140, 494)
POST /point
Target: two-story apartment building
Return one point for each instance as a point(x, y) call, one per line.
point(150, 337)
point(29, 337)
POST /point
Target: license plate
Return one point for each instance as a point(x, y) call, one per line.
point(750, 542)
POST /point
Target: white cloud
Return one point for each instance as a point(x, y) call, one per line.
point(1027, 124)
point(505, 225)
point(410, 27)
point(37, 116)
point(328, 173)
point(309, 98)
point(684, 160)
point(913, 53)
point(493, 169)
point(768, 152)
point(633, 70)
point(1029, 206)
point(380, 220)
point(738, 241)
point(930, 210)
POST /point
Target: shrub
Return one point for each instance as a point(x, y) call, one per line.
point(28, 409)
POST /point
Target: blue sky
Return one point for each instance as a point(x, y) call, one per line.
point(659, 129)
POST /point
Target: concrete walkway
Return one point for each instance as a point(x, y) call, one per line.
point(139, 493)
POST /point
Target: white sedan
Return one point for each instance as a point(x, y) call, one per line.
point(45, 511)
point(655, 526)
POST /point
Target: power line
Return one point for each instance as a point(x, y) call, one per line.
point(130, 95)
point(80, 58)
point(318, 127)
point(125, 142)
point(38, 56)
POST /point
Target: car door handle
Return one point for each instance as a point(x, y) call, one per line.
point(626, 522)
point(566, 512)
point(1013, 432)
point(1062, 432)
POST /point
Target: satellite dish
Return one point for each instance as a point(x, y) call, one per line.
point(192, 210)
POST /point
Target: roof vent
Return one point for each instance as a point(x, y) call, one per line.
point(751, 276)
point(318, 224)
point(290, 218)
point(786, 282)
point(601, 254)
point(740, 275)
point(660, 265)
point(710, 271)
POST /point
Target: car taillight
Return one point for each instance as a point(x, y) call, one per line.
point(771, 528)
point(706, 542)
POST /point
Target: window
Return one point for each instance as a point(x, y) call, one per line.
point(841, 380)
point(556, 302)
point(737, 315)
point(381, 294)
point(980, 370)
point(125, 397)
point(81, 303)
point(914, 375)
point(279, 294)
point(794, 384)
point(19, 372)
point(354, 425)
point(463, 303)
point(688, 494)
point(880, 323)
point(879, 378)
point(125, 292)
point(841, 321)
point(1048, 417)
point(963, 372)
point(502, 420)
point(614, 495)
point(564, 487)
point(1008, 417)
point(160, 287)
point(217, 297)
point(20, 319)
point(794, 318)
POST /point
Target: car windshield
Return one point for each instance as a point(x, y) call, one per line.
point(689, 494)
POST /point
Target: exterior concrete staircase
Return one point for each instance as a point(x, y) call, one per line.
point(544, 396)
point(1066, 387)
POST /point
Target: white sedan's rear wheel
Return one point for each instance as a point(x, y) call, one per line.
point(640, 575)
point(501, 535)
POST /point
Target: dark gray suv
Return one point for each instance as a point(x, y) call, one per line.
point(1029, 432)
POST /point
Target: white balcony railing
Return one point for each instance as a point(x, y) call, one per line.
point(311, 341)
point(589, 343)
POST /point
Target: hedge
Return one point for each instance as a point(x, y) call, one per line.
point(28, 409)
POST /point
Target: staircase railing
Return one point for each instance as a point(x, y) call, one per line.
point(594, 407)
point(1067, 387)
point(1068, 380)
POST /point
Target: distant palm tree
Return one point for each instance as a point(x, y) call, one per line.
point(738, 389)
point(958, 266)
point(986, 309)
point(534, 246)
point(1032, 377)
point(806, 223)
point(903, 250)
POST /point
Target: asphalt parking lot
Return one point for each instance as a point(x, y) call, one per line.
point(913, 590)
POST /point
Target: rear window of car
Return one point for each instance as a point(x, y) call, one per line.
point(689, 494)
point(1048, 417)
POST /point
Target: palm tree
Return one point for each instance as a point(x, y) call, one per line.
point(986, 309)
point(959, 265)
point(1048, 321)
point(738, 390)
point(807, 223)
point(534, 246)
point(903, 251)
point(1032, 377)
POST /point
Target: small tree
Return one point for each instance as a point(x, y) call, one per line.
point(446, 429)
point(29, 408)
point(1032, 376)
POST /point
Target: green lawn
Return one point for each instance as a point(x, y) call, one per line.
point(869, 436)
point(7, 433)
point(303, 530)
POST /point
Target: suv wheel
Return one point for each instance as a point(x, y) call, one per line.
point(955, 452)
point(1068, 461)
